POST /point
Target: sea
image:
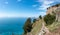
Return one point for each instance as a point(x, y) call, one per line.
point(9, 26)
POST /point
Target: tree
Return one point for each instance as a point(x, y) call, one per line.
point(49, 19)
point(34, 20)
point(40, 17)
point(28, 26)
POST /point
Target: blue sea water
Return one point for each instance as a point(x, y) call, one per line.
point(11, 25)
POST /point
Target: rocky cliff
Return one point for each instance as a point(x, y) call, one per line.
point(39, 27)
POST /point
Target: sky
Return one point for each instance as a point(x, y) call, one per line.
point(25, 8)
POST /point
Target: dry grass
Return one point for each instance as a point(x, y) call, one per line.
point(37, 27)
point(54, 26)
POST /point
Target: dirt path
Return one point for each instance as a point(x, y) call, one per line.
point(43, 30)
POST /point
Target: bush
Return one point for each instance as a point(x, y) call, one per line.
point(34, 20)
point(40, 17)
point(28, 26)
point(49, 19)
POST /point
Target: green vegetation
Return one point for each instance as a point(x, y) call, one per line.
point(28, 26)
point(34, 20)
point(37, 27)
point(49, 19)
point(40, 17)
point(53, 26)
point(53, 13)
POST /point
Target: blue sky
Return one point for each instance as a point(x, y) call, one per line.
point(25, 8)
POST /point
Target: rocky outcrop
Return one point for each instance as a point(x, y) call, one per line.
point(56, 32)
point(58, 14)
point(39, 27)
point(52, 9)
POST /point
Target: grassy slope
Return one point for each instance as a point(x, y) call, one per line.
point(38, 24)
point(54, 26)
point(37, 27)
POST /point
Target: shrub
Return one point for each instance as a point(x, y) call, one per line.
point(40, 17)
point(34, 20)
point(28, 26)
point(49, 19)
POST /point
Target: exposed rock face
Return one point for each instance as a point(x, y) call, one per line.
point(58, 14)
point(55, 9)
point(52, 8)
point(39, 27)
point(56, 32)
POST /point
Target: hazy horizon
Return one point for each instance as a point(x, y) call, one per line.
point(25, 8)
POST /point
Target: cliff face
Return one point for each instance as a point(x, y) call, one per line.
point(52, 8)
point(57, 14)
point(39, 27)
point(55, 9)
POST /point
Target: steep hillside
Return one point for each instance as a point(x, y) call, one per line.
point(36, 27)
point(52, 29)
point(39, 27)
point(54, 26)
